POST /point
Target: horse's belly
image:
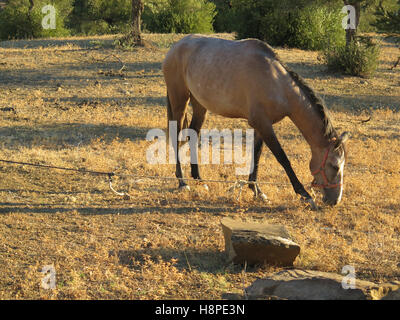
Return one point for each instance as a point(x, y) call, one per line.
point(214, 98)
point(222, 108)
point(226, 112)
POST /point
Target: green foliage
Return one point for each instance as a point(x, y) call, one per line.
point(100, 16)
point(17, 21)
point(317, 27)
point(359, 58)
point(388, 20)
point(368, 13)
point(114, 16)
point(179, 16)
point(225, 18)
point(14, 22)
point(306, 24)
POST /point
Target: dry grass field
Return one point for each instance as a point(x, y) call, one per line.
point(65, 102)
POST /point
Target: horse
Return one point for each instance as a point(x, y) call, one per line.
point(246, 79)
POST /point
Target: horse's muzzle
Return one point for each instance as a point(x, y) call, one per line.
point(330, 202)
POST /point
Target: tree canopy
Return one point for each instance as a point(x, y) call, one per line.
point(274, 20)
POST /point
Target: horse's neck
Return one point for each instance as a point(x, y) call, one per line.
point(310, 124)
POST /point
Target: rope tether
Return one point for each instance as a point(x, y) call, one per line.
point(237, 184)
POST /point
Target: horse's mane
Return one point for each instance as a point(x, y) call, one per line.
point(316, 101)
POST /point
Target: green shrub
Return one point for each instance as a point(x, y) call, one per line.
point(225, 18)
point(94, 27)
point(16, 22)
point(92, 17)
point(318, 27)
point(179, 16)
point(359, 58)
point(304, 24)
point(388, 20)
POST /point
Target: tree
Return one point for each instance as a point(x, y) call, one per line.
point(137, 10)
point(101, 16)
point(21, 19)
point(387, 20)
point(305, 24)
point(179, 16)
point(350, 32)
point(360, 6)
point(30, 18)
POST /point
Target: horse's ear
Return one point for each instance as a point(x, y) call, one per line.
point(344, 137)
point(340, 140)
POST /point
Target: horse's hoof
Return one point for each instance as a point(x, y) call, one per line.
point(184, 188)
point(263, 197)
point(206, 187)
point(312, 204)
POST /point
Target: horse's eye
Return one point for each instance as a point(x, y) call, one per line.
point(336, 168)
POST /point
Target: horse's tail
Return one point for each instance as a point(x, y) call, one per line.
point(169, 113)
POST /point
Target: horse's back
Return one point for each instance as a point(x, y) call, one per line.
point(223, 75)
point(195, 46)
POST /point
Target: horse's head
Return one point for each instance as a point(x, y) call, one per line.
point(327, 169)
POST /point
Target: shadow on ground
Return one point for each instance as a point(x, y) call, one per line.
point(56, 136)
point(212, 261)
point(127, 101)
point(79, 74)
point(212, 207)
point(48, 43)
point(357, 104)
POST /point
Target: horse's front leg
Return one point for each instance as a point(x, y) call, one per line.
point(265, 128)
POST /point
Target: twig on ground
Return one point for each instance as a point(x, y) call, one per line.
point(111, 55)
point(396, 64)
point(366, 120)
point(187, 261)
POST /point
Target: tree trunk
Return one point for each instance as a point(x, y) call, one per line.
point(137, 9)
point(351, 33)
point(31, 5)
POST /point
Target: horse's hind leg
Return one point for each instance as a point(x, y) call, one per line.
point(177, 104)
point(199, 116)
point(258, 144)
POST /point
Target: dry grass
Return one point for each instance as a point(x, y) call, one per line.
point(64, 102)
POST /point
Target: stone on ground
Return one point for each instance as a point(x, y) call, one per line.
point(258, 243)
point(315, 285)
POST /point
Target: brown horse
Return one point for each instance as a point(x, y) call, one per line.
point(245, 79)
